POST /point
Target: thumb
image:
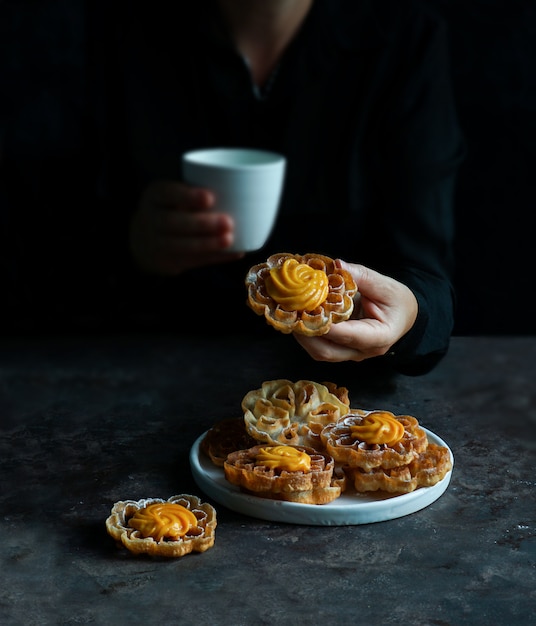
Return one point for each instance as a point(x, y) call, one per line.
point(370, 284)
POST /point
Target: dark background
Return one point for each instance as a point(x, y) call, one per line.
point(493, 48)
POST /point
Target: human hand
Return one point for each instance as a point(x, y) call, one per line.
point(384, 312)
point(175, 229)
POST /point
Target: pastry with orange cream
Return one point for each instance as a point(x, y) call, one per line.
point(168, 528)
point(301, 293)
point(293, 413)
point(371, 439)
point(282, 472)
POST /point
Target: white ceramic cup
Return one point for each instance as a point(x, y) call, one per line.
point(247, 184)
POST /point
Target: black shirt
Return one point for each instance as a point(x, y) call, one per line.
point(361, 106)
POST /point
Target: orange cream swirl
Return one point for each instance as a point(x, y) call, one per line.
point(163, 520)
point(284, 458)
point(378, 428)
point(297, 286)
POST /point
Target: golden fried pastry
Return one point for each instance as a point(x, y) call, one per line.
point(301, 293)
point(340, 479)
point(425, 470)
point(432, 465)
point(294, 413)
point(340, 392)
point(281, 472)
point(369, 439)
point(225, 437)
point(321, 495)
point(171, 528)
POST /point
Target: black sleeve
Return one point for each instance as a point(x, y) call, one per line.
point(419, 155)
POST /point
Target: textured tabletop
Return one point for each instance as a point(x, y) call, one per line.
point(86, 422)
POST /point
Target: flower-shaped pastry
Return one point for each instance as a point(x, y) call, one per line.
point(301, 294)
point(171, 528)
point(224, 437)
point(293, 413)
point(425, 470)
point(369, 439)
point(290, 473)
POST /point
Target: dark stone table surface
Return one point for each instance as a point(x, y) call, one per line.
point(88, 421)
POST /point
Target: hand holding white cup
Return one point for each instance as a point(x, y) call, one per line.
point(247, 185)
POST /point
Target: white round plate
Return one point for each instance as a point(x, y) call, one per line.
point(348, 509)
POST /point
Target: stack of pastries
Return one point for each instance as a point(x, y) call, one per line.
point(387, 452)
point(301, 442)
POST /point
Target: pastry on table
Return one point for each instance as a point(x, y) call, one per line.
point(224, 437)
point(293, 413)
point(282, 472)
point(167, 528)
point(371, 439)
point(303, 294)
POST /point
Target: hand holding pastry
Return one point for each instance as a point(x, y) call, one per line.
point(384, 312)
point(301, 294)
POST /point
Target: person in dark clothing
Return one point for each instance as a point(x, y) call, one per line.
point(356, 94)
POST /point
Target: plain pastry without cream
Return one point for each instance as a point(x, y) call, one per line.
point(301, 293)
point(224, 437)
point(294, 413)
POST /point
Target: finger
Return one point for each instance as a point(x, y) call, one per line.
point(323, 349)
point(180, 224)
point(171, 194)
point(370, 337)
point(353, 340)
point(196, 245)
point(371, 284)
point(175, 258)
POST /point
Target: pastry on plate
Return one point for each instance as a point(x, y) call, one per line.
point(167, 528)
point(425, 470)
point(370, 439)
point(301, 293)
point(224, 437)
point(293, 413)
point(282, 472)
